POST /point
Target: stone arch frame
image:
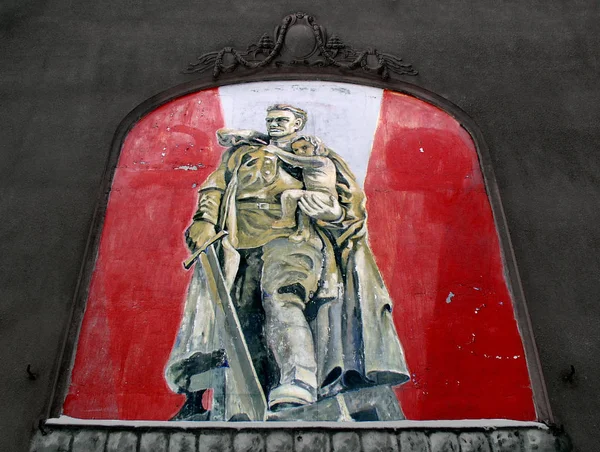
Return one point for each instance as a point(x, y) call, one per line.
point(63, 366)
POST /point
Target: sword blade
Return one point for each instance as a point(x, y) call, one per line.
point(250, 395)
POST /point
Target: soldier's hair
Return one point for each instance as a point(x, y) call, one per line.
point(298, 112)
point(320, 148)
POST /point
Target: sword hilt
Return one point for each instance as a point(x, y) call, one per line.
point(196, 254)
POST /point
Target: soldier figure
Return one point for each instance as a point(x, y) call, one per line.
point(315, 313)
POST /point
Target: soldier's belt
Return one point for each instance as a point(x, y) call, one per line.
point(252, 205)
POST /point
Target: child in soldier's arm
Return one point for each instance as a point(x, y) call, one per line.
point(318, 174)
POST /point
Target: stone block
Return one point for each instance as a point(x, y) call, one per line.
point(444, 442)
point(182, 442)
point(249, 442)
point(367, 404)
point(379, 441)
point(537, 440)
point(153, 442)
point(331, 409)
point(345, 442)
point(414, 442)
point(505, 441)
point(473, 442)
point(311, 442)
point(122, 442)
point(378, 403)
point(53, 441)
point(215, 442)
point(279, 441)
point(89, 441)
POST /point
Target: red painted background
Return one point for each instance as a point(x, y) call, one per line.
point(431, 229)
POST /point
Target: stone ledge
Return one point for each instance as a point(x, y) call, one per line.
point(73, 439)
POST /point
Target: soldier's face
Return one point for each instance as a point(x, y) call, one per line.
point(303, 147)
point(281, 123)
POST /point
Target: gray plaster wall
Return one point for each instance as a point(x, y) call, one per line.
point(527, 72)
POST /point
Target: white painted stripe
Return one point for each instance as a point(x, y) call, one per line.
point(466, 423)
point(344, 116)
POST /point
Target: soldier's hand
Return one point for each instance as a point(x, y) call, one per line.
point(199, 233)
point(317, 208)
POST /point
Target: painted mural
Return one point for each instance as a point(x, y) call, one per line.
point(308, 251)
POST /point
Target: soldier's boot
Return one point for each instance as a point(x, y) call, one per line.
point(290, 339)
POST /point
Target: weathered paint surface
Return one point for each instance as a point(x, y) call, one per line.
point(430, 227)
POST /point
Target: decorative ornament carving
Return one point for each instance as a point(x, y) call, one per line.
point(300, 41)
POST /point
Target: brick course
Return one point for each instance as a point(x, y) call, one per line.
point(74, 439)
